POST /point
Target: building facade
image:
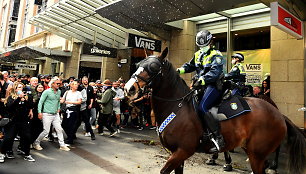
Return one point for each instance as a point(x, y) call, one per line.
point(58, 31)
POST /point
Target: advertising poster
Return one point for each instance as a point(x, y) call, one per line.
point(257, 65)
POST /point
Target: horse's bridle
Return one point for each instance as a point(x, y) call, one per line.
point(153, 73)
point(149, 83)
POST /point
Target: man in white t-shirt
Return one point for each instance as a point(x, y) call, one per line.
point(116, 103)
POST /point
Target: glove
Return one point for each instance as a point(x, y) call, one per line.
point(199, 82)
point(180, 70)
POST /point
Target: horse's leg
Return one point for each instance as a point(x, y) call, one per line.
point(274, 164)
point(179, 170)
point(212, 159)
point(228, 162)
point(175, 162)
point(257, 164)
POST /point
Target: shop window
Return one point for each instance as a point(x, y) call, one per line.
point(42, 7)
point(15, 11)
point(4, 11)
point(252, 40)
point(12, 33)
point(25, 21)
point(219, 41)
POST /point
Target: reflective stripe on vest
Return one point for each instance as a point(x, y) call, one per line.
point(206, 59)
point(241, 68)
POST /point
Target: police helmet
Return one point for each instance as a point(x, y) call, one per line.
point(203, 38)
point(239, 56)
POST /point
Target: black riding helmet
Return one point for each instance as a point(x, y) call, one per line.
point(151, 64)
point(203, 38)
point(239, 56)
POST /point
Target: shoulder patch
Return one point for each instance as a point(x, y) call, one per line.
point(218, 60)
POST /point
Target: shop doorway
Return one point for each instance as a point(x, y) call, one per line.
point(137, 55)
point(93, 74)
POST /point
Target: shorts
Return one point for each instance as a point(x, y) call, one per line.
point(117, 110)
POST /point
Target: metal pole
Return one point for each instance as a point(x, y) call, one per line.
point(229, 42)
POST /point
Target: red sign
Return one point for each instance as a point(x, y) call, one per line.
point(285, 21)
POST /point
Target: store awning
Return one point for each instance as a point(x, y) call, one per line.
point(145, 14)
point(30, 52)
point(78, 19)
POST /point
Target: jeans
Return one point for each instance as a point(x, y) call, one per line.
point(84, 116)
point(11, 130)
point(93, 116)
point(69, 124)
point(104, 120)
point(55, 120)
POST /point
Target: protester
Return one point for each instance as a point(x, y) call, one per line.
point(48, 111)
point(72, 99)
point(116, 103)
point(86, 105)
point(106, 111)
point(19, 106)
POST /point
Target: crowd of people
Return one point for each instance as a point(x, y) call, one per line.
point(46, 107)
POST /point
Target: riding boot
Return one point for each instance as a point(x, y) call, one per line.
point(214, 127)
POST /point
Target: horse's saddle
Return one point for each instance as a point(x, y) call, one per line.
point(232, 107)
point(229, 107)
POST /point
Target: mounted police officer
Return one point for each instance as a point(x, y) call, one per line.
point(237, 74)
point(208, 64)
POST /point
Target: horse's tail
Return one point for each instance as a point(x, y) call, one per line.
point(297, 148)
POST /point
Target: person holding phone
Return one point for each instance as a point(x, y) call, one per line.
point(19, 106)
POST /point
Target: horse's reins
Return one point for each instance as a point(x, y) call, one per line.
point(174, 100)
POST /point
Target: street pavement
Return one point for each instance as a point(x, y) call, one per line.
point(131, 151)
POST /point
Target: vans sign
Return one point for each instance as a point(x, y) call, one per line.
point(253, 67)
point(136, 41)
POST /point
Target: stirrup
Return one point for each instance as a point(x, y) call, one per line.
point(216, 144)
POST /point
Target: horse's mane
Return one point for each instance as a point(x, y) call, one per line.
point(173, 78)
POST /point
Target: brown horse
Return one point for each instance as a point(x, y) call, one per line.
point(258, 132)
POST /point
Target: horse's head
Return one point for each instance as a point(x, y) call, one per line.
point(147, 70)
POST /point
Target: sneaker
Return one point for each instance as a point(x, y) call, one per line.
point(9, 155)
point(153, 127)
point(54, 134)
point(93, 137)
point(37, 147)
point(140, 128)
point(68, 145)
point(87, 134)
point(2, 158)
point(64, 148)
point(101, 134)
point(113, 134)
point(51, 139)
point(29, 158)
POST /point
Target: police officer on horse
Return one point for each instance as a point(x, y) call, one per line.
point(237, 74)
point(208, 64)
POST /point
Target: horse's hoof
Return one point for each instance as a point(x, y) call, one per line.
point(211, 162)
point(271, 171)
point(227, 167)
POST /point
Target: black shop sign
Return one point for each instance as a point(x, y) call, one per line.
point(99, 50)
point(136, 41)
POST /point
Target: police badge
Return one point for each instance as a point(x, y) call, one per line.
point(234, 106)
